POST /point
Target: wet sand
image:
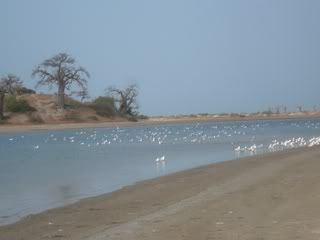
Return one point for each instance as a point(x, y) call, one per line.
point(271, 196)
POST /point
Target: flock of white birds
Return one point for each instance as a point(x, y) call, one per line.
point(276, 145)
point(243, 137)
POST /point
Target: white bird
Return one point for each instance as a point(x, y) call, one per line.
point(252, 148)
point(160, 159)
point(36, 147)
point(238, 149)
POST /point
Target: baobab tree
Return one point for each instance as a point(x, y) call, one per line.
point(61, 71)
point(126, 99)
point(9, 85)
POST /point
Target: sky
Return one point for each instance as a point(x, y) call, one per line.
point(187, 56)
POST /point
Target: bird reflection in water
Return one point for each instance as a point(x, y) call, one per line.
point(161, 164)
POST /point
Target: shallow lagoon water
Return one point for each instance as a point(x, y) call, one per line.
point(45, 169)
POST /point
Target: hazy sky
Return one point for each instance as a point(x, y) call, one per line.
point(187, 56)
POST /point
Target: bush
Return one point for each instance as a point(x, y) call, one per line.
point(94, 118)
point(74, 117)
point(142, 117)
point(17, 105)
point(72, 103)
point(24, 90)
point(104, 106)
point(132, 118)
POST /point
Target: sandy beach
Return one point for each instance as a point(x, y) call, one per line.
point(4, 128)
point(271, 196)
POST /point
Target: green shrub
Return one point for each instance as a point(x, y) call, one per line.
point(105, 106)
point(72, 103)
point(74, 117)
point(94, 118)
point(17, 105)
point(132, 118)
point(142, 117)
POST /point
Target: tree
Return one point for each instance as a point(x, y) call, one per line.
point(60, 71)
point(83, 94)
point(8, 86)
point(126, 99)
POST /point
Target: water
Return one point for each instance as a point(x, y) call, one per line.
point(42, 170)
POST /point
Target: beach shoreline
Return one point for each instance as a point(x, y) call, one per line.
point(271, 196)
point(7, 128)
